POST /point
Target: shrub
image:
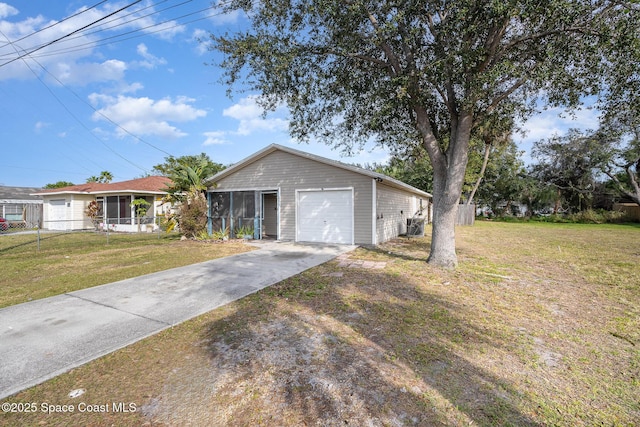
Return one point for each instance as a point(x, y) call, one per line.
point(192, 218)
point(221, 234)
point(243, 231)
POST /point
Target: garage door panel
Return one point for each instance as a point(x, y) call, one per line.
point(325, 216)
point(57, 215)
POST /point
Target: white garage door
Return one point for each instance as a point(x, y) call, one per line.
point(57, 215)
point(325, 216)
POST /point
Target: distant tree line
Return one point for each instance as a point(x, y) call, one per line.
point(571, 173)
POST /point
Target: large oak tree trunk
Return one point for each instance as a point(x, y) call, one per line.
point(443, 236)
point(448, 177)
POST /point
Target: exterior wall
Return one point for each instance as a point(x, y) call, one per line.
point(79, 203)
point(288, 173)
point(393, 208)
point(76, 219)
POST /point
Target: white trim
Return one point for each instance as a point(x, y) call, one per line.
point(353, 207)
point(101, 192)
point(278, 216)
point(21, 201)
point(374, 212)
point(227, 190)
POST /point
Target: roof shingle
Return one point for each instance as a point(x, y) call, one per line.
point(152, 184)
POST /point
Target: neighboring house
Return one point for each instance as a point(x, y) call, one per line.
point(288, 194)
point(64, 208)
point(19, 207)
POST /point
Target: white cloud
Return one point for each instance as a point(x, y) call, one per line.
point(556, 121)
point(41, 125)
point(552, 122)
point(7, 10)
point(64, 57)
point(84, 73)
point(132, 88)
point(215, 138)
point(150, 61)
point(226, 18)
point(201, 38)
point(249, 113)
point(145, 116)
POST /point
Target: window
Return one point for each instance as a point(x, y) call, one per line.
point(12, 212)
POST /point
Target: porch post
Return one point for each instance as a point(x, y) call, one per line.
point(209, 219)
point(257, 214)
point(132, 214)
point(232, 234)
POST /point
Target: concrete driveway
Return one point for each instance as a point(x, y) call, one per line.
point(44, 338)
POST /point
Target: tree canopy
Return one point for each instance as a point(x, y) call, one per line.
point(427, 71)
point(188, 173)
point(59, 184)
point(104, 177)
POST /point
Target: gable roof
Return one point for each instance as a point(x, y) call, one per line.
point(392, 182)
point(149, 184)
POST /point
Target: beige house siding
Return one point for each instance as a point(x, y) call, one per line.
point(393, 208)
point(79, 203)
point(288, 173)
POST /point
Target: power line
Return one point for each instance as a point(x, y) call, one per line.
point(112, 39)
point(83, 33)
point(55, 23)
point(69, 111)
point(67, 35)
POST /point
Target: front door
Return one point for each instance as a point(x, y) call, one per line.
point(269, 215)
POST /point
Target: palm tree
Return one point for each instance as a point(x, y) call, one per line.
point(190, 177)
point(104, 178)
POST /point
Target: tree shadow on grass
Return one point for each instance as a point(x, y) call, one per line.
point(338, 346)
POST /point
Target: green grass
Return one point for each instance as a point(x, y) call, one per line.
point(72, 261)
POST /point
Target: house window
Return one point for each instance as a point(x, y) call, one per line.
point(13, 212)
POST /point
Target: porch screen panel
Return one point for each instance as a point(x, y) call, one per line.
point(125, 209)
point(112, 209)
point(220, 210)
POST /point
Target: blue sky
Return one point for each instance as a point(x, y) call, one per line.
point(123, 95)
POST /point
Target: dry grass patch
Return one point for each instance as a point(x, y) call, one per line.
point(539, 326)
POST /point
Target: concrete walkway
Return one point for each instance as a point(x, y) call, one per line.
point(44, 338)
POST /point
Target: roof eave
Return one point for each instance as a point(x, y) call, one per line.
point(275, 147)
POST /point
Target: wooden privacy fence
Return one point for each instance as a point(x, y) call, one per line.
point(466, 214)
point(631, 209)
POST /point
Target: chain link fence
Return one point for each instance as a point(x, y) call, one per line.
point(20, 216)
point(106, 229)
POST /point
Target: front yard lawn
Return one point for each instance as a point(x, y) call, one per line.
point(540, 325)
point(67, 262)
